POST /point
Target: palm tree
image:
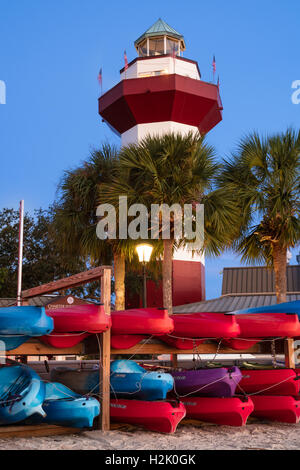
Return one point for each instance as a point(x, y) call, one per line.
point(76, 218)
point(173, 169)
point(264, 176)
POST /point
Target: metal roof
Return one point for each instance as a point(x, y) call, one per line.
point(257, 279)
point(229, 303)
point(160, 28)
point(40, 301)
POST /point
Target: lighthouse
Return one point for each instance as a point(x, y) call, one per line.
point(159, 92)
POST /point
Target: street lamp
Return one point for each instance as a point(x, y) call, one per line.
point(144, 253)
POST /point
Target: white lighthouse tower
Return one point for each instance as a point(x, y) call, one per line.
point(159, 92)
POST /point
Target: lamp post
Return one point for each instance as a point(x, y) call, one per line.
point(144, 253)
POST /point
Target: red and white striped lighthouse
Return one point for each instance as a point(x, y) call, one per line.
point(161, 91)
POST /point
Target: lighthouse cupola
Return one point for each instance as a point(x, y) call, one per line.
point(160, 39)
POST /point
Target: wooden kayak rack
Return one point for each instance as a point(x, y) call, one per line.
point(102, 348)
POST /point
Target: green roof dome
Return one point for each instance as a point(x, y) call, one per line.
point(160, 28)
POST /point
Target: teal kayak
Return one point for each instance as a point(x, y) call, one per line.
point(66, 408)
point(18, 324)
point(22, 393)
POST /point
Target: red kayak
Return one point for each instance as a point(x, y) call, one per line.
point(270, 382)
point(88, 318)
point(141, 321)
point(64, 340)
point(255, 326)
point(262, 325)
point(126, 341)
point(73, 323)
point(224, 411)
point(180, 343)
point(205, 325)
point(160, 416)
point(191, 327)
point(277, 408)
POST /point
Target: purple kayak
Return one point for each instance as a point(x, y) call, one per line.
point(219, 382)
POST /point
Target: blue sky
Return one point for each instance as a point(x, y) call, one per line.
point(51, 52)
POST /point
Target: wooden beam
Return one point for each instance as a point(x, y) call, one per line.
point(34, 348)
point(67, 282)
point(35, 430)
point(104, 388)
point(289, 353)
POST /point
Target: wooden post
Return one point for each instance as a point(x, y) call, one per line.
point(104, 387)
point(174, 360)
point(289, 353)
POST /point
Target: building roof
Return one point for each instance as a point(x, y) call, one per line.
point(246, 287)
point(43, 300)
point(230, 303)
point(40, 301)
point(160, 28)
point(257, 279)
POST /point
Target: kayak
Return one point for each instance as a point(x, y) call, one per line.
point(285, 409)
point(181, 343)
point(221, 382)
point(255, 326)
point(9, 342)
point(160, 416)
point(29, 321)
point(284, 307)
point(126, 341)
point(189, 328)
point(81, 381)
point(73, 323)
point(224, 411)
point(270, 382)
point(66, 408)
point(22, 393)
point(18, 324)
point(141, 321)
point(79, 318)
point(128, 379)
point(205, 325)
point(261, 325)
point(64, 340)
point(262, 366)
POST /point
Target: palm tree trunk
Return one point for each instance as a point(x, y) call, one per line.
point(167, 275)
point(279, 261)
point(119, 275)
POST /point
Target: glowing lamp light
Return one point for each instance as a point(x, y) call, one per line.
point(144, 252)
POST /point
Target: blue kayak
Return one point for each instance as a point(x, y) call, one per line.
point(22, 393)
point(66, 408)
point(285, 307)
point(18, 324)
point(128, 379)
point(9, 342)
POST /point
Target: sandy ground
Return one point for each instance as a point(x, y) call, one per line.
point(253, 436)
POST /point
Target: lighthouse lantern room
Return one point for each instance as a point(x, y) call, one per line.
point(161, 91)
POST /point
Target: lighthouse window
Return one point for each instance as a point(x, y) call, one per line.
point(156, 46)
point(172, 46)
point(143, 49)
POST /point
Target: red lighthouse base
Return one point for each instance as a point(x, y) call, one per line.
point(188, 286)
